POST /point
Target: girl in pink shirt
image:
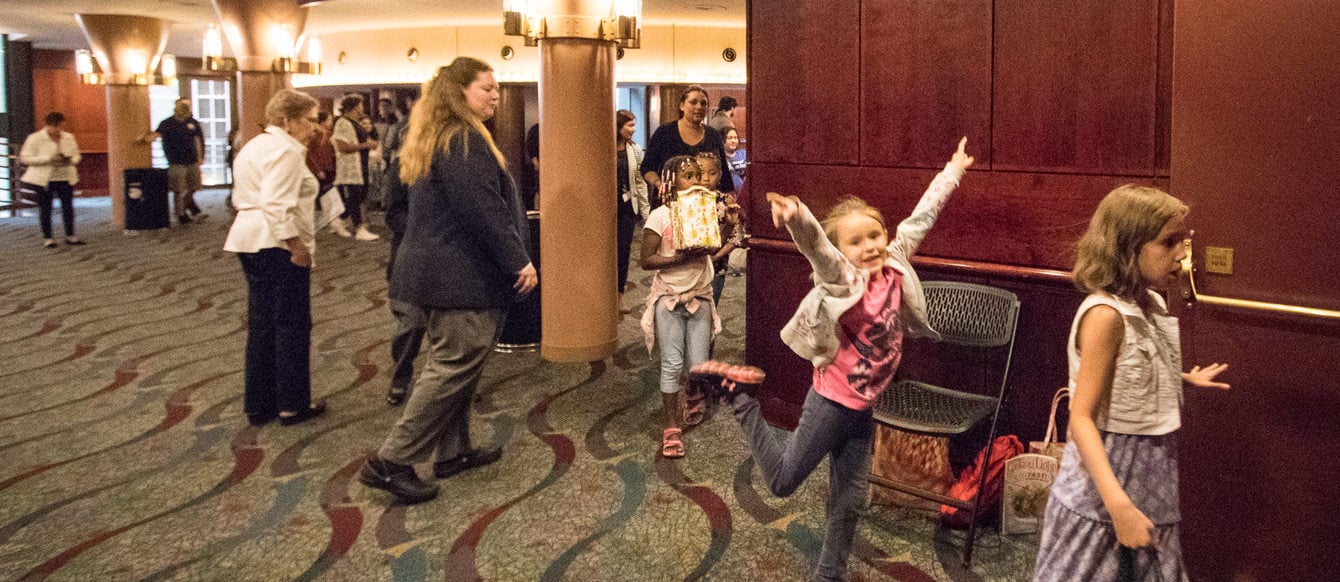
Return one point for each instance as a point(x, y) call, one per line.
point(851, 327)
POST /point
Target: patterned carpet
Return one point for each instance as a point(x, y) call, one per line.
point(126, 455)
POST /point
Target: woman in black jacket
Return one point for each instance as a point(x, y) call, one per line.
point(685, 136)
point(462, 261)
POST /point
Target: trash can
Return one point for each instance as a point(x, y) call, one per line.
point(146, 198)
point(521, 330)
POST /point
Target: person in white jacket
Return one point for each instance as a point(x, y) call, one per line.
point(851, 326)
point(51, 156)
point(274, 236)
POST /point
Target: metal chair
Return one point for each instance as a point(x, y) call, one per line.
point(972, 316)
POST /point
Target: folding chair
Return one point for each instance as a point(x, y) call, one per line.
point(973, 316)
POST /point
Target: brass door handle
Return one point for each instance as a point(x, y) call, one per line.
point(1190, 295)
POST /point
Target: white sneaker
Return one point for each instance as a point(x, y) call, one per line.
point(337, 226)
point(364, 234)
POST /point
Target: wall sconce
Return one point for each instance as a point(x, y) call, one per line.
point(91, 74)
point(281, 36)
point(623, 25)
point(211, 50)
point(412, 55)
point(167, 67)
point(286, 50)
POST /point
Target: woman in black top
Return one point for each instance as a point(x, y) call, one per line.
point(685, 136)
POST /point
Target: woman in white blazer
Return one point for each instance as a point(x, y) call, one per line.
point(274, 236)
point(633, 203)
point(51, 156)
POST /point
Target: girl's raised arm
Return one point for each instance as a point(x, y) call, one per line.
point(805, 229)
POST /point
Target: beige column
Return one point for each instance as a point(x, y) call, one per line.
point(127, 49)
point(254, 89)
point(249, 26)
point(577, 200)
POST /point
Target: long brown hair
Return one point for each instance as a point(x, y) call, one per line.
point(1107, 257)
point(440, 115)
point(621, 118)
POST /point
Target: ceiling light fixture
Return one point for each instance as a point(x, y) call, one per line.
point(623, 25)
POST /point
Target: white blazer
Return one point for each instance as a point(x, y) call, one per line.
point(637, 193)
point(274, 194)
point(39, 153)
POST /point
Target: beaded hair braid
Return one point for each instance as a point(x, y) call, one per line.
point(670, 173)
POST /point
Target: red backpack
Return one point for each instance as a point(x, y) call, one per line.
point(965, 487)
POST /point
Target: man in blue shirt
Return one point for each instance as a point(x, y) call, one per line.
point(184, 147)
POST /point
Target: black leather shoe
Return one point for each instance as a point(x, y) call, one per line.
point(316, 409)
point(395, 396)
point(470, 460)
point(260, 419)
point(396, 479)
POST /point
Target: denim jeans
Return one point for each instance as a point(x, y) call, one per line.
point(684, 339)
point(279, 334)
point(786, 459)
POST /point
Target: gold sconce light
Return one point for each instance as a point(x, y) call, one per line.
point(622, 25)
point(138, 72)
point(285, 46)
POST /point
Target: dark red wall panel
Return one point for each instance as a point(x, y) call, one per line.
point(1258, 470)
point(926, 79)
point(1075, 86)
point(804, 67)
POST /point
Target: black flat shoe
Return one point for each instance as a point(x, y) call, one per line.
point(396, 479)
point(395, 396)
point(313, 411)
point(470, 460)
point(260, 419)
point(73, 241)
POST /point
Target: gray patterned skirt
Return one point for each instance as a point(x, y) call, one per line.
point(1078, 539)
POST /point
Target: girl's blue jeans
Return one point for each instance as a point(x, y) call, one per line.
point(786, 458)
point(684, 339)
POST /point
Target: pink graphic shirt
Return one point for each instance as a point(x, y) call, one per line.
point(870, 346)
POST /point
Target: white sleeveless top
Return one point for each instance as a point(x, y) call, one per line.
point(1146, 396)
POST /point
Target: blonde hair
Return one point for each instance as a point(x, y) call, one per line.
point(1107, 256)
point(440, 115)
point(288, 104)
point(850, 205)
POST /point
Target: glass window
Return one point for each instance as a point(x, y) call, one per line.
point(162, 99)
point(212, 101)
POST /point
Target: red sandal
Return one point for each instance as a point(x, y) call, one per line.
point(672, 445)
point(723, 379)
point(695, 405)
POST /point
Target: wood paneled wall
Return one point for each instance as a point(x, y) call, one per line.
point(868, 98)
point(56, 87)
point(1060, 105)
